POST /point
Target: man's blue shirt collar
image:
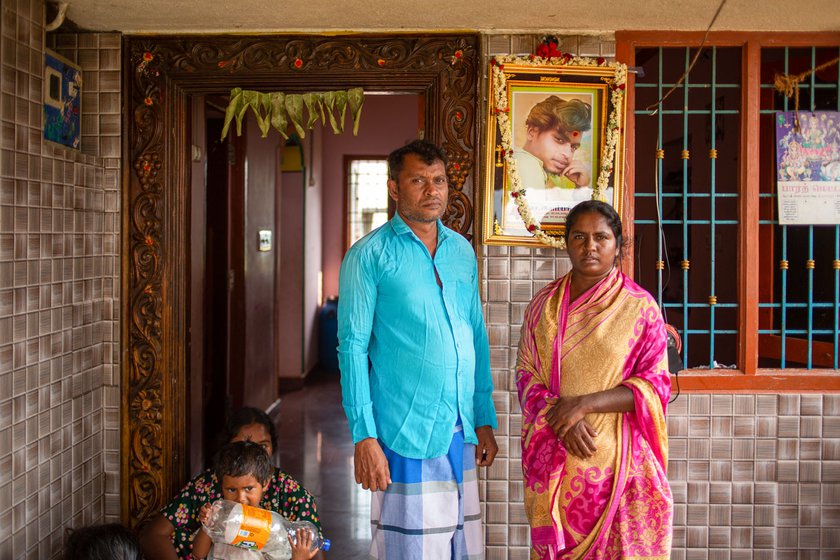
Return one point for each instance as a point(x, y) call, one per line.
point(400, 227)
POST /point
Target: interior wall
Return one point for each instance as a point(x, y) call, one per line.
point(313, 243)
point(291, 205)
point(388, 122)
point(59, 292)
point(260, 275)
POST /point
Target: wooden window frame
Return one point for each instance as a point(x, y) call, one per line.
point(748, 377)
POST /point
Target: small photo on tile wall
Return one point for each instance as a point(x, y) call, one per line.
point(62, 101)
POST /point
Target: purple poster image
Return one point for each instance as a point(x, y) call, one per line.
point(812, 153)
point(62, 101)
point(808, 167)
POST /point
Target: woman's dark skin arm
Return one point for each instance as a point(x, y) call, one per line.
point(156, 539)
point(566, 416)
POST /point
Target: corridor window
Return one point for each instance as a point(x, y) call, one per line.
point(757, 304)
point(367, 197)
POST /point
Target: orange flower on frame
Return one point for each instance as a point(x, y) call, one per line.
point(298, 63)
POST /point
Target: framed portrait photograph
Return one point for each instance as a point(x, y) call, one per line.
point(555, 139)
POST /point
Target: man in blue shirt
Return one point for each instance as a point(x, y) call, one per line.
point(415, 370)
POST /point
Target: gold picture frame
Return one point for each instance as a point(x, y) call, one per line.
point(522, 159)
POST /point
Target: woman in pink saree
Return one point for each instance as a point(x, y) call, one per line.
point(593, 382)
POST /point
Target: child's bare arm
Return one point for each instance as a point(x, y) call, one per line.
point(201, 545)
point(202, 541)
point(301, 545)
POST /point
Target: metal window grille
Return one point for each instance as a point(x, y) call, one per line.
point(691, 144)
point(368, 196)
point(799, 304)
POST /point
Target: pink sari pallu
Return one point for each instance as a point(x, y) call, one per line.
point(617, 503)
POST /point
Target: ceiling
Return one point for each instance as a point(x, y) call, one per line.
point(496, 16)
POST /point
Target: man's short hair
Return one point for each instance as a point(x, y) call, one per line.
point(243, 458)
point(426, 151)
point(553, 113)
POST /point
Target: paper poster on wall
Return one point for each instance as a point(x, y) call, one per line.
point(62, 101)
point(808, 168)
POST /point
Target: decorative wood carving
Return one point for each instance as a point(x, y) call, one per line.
point(159, 75)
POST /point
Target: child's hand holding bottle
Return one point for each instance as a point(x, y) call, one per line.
point(301, 545)
point(204, 513)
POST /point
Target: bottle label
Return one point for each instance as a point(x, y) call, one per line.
point(255, 528)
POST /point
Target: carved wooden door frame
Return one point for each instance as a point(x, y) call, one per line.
point(160, 74)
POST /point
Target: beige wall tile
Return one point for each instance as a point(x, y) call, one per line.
point(51, 324)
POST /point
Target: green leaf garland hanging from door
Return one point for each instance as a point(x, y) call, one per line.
point(278, 110)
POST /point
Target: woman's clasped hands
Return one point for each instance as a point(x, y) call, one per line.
point(566, 415)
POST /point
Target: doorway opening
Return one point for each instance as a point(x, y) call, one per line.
point(161, 306)
point(257, 308)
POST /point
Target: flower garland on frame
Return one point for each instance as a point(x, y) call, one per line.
point(616, 85)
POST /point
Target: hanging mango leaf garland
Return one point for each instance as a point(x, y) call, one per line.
point(328, 98)
point(278, 113)
point(312, 102)
point(294, 108)
point(277, 109)
point(356, 98)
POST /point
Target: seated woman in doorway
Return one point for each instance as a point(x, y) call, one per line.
point(169, 534)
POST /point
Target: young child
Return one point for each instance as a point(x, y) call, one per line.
point(244, 470)
point(172, 530)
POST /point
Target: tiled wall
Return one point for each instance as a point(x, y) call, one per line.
point(511, 276)
point(753, 476)
point(59, 284)
point(756, 476)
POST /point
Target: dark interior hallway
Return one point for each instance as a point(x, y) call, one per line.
point(315, 448)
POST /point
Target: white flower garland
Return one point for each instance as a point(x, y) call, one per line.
point(617, 87)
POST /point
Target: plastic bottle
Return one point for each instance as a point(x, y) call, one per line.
point(257, 529)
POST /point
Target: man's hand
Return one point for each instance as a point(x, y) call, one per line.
point(578, 173)
point(580, 440)
point(371, 466)
point(486, 449)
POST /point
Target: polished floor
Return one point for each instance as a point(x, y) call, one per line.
point(315, 447)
